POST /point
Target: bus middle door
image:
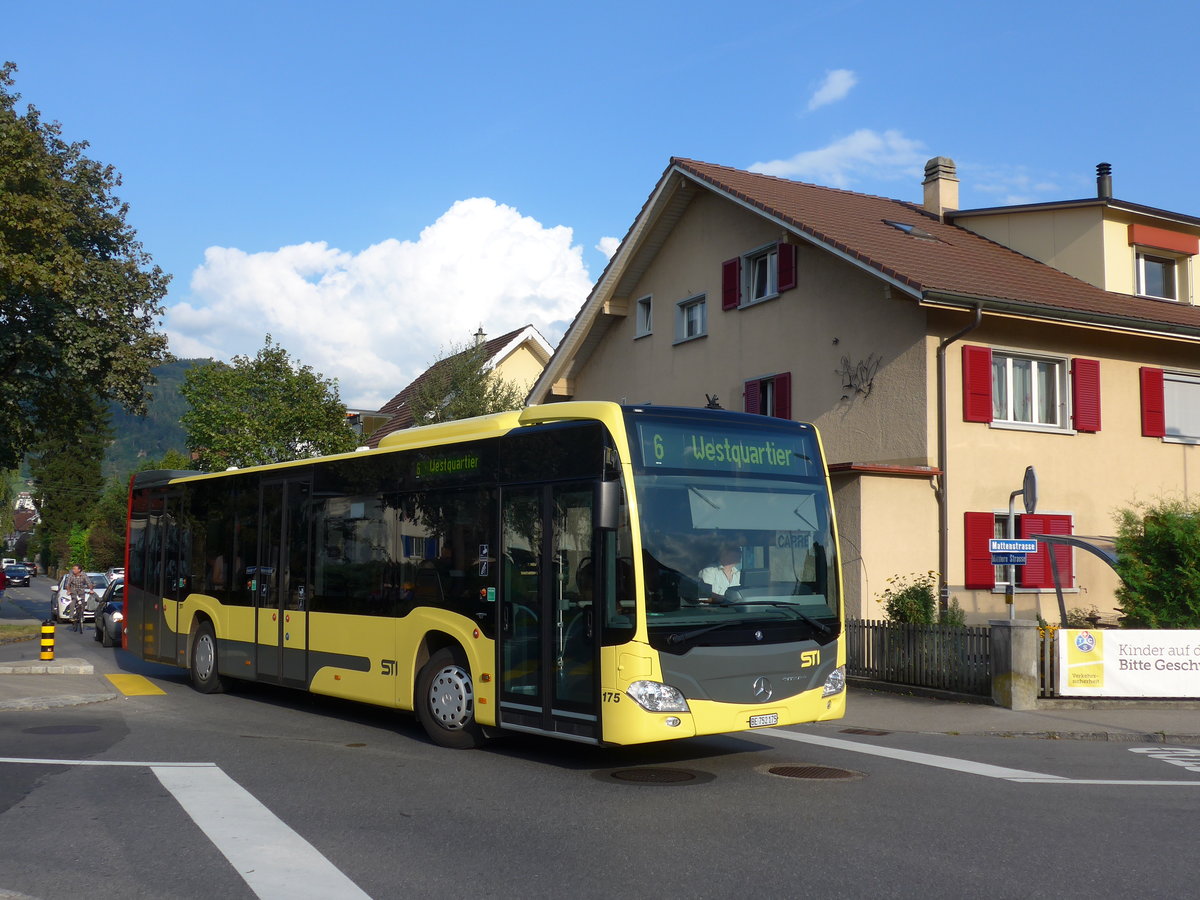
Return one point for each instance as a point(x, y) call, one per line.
point(282, 582)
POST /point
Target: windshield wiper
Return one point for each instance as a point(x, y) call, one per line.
point(678, 637)
point(820, 626)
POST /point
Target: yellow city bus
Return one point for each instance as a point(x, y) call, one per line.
point(549, 570)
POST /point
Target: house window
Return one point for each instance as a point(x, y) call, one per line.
point(1171, 405)
point(762, 275)
point(1037, 573)
point(1027, 390)
point(690, 320)
point(770, 396)
point(758, 275)
point(645, 320)
point(1024, 390)
point(1156, 276)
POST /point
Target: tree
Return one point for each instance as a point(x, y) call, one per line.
point(65, 467)
point(460, 385)
point(79, 297)
point(1158, 559)
point(262, 410)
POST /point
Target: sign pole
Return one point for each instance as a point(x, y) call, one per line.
point(1029, 493)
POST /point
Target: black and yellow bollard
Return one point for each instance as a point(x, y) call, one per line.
point(47, 640)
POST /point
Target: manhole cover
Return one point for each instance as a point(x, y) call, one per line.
point(864, 731)
point(62, 729)
point(655, 775)
point(814, 773)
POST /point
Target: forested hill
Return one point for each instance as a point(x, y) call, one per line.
point(136, 438)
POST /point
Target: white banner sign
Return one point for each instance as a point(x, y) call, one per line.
point(1117, 663)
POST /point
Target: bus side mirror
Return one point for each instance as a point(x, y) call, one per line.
point(608, 505)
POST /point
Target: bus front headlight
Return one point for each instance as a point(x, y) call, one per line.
point(654, 696)
point(835, 683)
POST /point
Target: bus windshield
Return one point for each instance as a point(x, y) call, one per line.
point(737, 536)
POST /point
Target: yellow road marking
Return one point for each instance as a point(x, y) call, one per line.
point(134, 685)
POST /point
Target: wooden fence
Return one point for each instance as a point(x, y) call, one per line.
point(944, 657)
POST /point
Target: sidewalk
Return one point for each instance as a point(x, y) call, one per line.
point(28, 682)
point(1142, 721)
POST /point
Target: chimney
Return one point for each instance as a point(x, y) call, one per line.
point(1104, 181)
point(941, 185)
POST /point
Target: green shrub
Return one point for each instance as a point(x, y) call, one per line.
point(1158, 559)
point(911, 599)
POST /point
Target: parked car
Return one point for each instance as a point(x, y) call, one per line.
point(17, 575)
point(31, 566)
point(115, 572)
point(110, 615)
point(60, 600)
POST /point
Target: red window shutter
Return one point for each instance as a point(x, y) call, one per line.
point(731, 283)
point(1154, 407)
point(977, 383)
point(753, 397)
point(1036, 572)
point(783, 396)
point(979, 574)
point(787, 267)
point(1085, 394)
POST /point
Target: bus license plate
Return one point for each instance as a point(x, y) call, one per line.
point(761, 721)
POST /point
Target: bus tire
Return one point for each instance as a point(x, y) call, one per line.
point(446, 701)
point(203, 665)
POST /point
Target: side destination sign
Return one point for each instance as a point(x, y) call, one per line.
point(1007, 545)
point(682, 446)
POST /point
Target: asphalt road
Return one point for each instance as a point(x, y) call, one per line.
point(300, 796)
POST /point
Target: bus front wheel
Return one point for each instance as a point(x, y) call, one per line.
point(446, 701)
point(203, 669)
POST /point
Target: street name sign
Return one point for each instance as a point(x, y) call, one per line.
point(1012, 545)
point(1009, 559)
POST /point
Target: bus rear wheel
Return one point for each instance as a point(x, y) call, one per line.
point(446, 701)
point(203, 668)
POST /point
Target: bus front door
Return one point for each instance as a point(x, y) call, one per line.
point(548, 631)
point(281, 581)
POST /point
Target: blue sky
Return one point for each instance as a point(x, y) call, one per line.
point(370, 182)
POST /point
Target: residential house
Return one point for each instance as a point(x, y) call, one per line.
point(518, 357)
point(940, 352)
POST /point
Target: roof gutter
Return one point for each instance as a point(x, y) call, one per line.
point(1058, 315)
point(943, 450)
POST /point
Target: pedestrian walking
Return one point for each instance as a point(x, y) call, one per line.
point(76, 587)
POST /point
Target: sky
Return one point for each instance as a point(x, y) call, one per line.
point(372, 182)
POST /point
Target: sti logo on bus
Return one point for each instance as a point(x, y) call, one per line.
point(388, 666)
point(810, 658)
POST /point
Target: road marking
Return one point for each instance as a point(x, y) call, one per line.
point(103, 762)
point(274, 861)
point(924, 759)
point(965, 766)
point(272, 858)
point(134, 685)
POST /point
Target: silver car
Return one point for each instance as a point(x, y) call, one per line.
point(60, 600)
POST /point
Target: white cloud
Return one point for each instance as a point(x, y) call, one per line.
point(863, 154)
point(376, 319)
point(837, 84)
point(608, 246)
point(1007, 185)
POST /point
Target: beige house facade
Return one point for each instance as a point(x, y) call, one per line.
point(937, 362)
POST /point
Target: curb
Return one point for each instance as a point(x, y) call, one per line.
point(54, 703)
point(47, 667)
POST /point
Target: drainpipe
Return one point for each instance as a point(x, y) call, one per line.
point(943, 506)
